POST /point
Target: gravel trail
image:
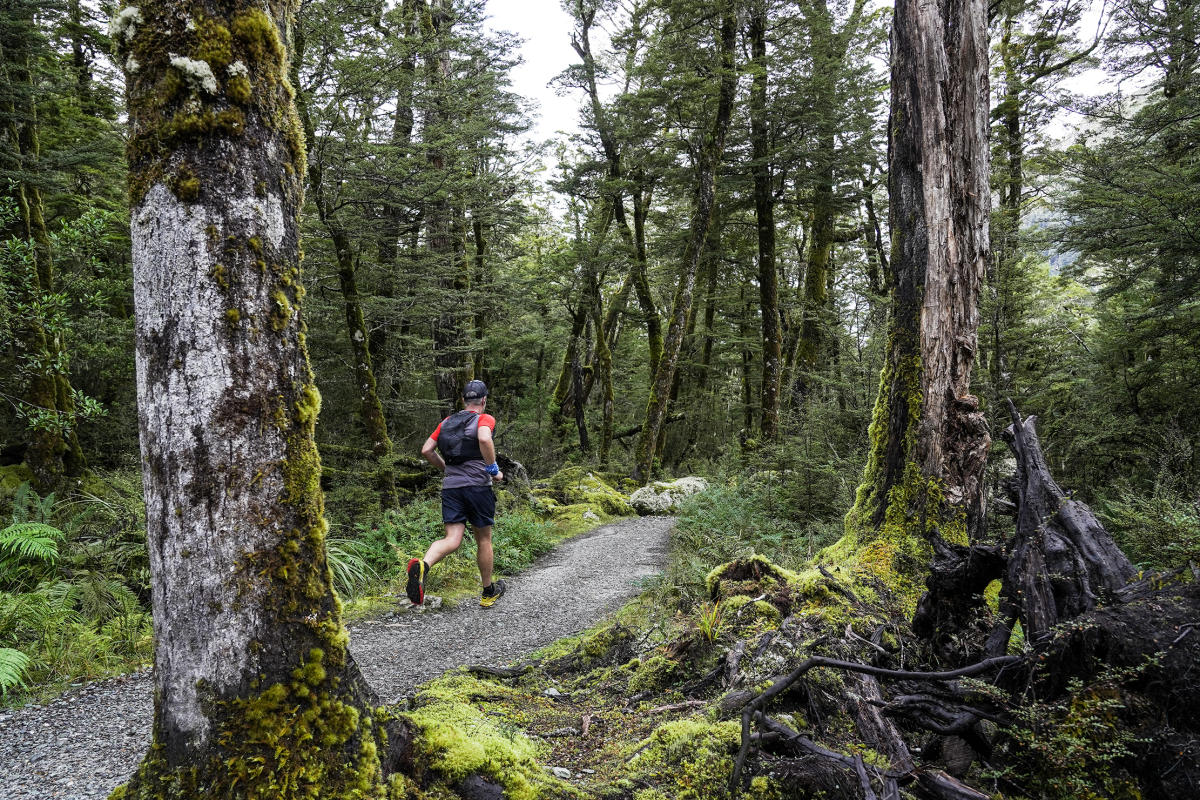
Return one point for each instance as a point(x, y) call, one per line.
point(85, 743)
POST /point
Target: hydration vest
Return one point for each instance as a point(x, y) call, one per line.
point(453, 442)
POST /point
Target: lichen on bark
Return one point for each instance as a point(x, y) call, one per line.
point(256, 692)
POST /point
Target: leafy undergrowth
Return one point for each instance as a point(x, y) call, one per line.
point(74, 585)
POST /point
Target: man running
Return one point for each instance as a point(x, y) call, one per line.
point(463, 448)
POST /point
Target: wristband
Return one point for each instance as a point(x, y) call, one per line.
point(492, 469)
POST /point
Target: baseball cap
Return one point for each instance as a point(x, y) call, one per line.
point(474, 390)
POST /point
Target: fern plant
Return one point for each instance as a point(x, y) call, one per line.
point(13, 667)
point(28, 551)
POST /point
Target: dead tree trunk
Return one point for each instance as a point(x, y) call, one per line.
point(1062, 561)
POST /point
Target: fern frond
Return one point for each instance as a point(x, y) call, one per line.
point(31, 540)
point(13, 666)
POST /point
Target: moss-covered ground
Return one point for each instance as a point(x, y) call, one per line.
point(630, 708)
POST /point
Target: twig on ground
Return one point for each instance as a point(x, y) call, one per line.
point(678, 706)
point(499, 672)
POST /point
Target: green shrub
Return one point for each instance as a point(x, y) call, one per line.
point(1158, 531)
point(728, 522)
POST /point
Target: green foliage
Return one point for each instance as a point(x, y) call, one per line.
point(752, 519)
point(710, 622)
point(31, 541)
point(1157, 531)
point(1076, 748)
point(349, 560)
point(13, 666)
point(73, 580)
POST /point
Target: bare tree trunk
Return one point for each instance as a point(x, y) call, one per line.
point(255, 690)
point(764, 209)
point(928, 441)
point(706, 170)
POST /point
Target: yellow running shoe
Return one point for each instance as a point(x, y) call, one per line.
point(491, 594)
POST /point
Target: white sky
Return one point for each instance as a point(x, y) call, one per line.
point(546, 29)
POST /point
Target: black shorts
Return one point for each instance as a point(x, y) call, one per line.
point(473, 504)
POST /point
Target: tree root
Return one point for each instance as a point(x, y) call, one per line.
point(753, 707)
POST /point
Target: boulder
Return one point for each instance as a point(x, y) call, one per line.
point(662, 497)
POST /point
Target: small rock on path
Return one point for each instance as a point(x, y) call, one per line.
point(85, 743)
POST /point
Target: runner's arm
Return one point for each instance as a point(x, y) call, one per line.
point(431, 454)
point(487, 447)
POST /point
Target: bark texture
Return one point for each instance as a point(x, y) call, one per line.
point(256, 692)
point(764, 212)
point(928, 440)
point(1062, 562)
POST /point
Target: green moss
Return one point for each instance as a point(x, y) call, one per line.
point(258, 34)
point(281, 310)
point(214, 44)
point(457, 739)
point(185, 184)
point(653, 674)
point(756, 568)
point(169, 112)
point(239, 89)
point(233, 316)
point(293, 739)
point(691, 759)
point(12, 476)
point(577, 486)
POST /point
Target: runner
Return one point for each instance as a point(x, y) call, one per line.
point(462, 447)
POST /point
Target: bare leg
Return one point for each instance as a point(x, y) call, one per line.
point(483, 553)
point(445, 546)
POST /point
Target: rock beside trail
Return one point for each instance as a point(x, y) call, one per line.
point(662, 497)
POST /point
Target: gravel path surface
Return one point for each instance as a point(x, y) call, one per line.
point(82, 745)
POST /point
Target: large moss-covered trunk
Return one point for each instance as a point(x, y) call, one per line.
point(256, 694)
point(928, 440)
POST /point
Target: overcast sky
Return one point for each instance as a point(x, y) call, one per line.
point(546, 29)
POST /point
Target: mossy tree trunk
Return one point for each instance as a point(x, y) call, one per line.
point(256, 694)
point(370, 408)
point(53, 452)
point(928, 441)
point(764, 212)
point(709, 157)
